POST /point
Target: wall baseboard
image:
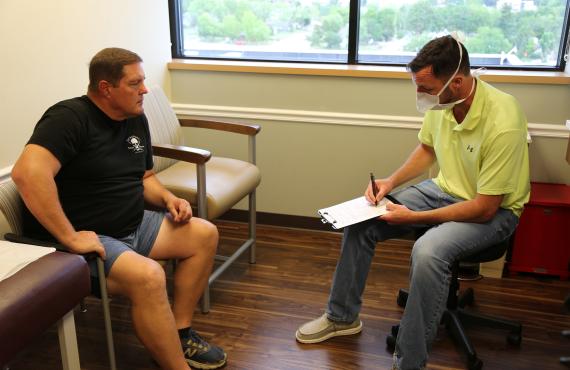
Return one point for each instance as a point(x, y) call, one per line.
point(277, 219)
point(335, 118)
point(290, 221)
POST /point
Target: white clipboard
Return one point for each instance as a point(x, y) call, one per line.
point(352, 212)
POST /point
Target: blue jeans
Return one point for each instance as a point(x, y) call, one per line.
point(432, 256)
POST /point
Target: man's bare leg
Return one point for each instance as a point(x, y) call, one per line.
point(143, 281)
point(194, 245)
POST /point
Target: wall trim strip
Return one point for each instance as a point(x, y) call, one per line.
point(334, 118)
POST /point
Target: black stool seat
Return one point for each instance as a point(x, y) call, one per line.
point(456, 316)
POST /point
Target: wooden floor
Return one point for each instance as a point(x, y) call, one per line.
point(257, 308)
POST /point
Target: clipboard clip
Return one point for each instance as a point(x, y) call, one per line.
point(326, 219)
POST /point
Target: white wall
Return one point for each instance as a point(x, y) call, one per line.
point(46, 47)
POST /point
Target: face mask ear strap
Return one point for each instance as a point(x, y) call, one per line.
point(456, 69)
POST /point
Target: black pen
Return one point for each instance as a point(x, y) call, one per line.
point(374, 188)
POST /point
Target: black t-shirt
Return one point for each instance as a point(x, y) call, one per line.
point(102, 165)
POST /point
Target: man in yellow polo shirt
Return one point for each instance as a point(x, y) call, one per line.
point(477, 134)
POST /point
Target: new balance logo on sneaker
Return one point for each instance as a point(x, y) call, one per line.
point(200, 354)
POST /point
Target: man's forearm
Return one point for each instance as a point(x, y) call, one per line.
point(154, 192)
point(479, 210)
point(419, 161)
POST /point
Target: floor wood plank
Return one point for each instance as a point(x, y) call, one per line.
point(257, 308)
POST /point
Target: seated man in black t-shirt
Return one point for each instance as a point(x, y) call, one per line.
point(85, 176)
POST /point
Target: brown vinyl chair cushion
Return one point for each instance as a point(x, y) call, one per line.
point(37, 296)
point(229, 180)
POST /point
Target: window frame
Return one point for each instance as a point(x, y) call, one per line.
point(177, 44)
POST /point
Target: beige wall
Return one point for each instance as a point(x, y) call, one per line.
point(46, 47)
point(309, 161)
point(321, 136)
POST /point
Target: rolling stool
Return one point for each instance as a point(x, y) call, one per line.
point(455, 316)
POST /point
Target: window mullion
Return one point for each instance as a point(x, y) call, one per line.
point(353, 26)
point(176, 28)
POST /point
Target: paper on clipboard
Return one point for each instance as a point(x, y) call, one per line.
point(352, 212)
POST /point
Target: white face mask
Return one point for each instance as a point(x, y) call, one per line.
point(425, 101)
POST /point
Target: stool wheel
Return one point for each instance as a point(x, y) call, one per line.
point(466, 298)
point(514, 339)
point(402, 298)
point(475, 364)
point(394, 330)
point(391, 342)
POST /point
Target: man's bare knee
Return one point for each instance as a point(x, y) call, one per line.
point(150, 279)
point(207, 234)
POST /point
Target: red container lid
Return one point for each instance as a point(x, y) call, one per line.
point(546, 194)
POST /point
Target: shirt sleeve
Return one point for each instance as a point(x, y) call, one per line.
point(425, 136)
point(59, 131)
point(502, 162)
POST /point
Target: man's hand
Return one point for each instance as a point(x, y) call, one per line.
point(398, 214)
point(384, 187)
point(85, 242)
point(179, 209)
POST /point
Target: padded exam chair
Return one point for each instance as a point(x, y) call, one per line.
point(212, 184)
point(11, 207)
point(42, 293)
point(456, 316)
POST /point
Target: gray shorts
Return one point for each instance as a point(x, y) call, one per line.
point(140, 241)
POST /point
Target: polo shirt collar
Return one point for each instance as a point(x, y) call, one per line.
point(472, 118)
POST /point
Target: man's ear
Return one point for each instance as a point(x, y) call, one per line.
point(103, 87)
point(457, 82)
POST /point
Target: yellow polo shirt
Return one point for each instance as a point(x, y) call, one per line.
point(487, 153)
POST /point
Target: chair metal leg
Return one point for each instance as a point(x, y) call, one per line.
point(206, 299)
point(68, 342)
point(203, 213)
point(252, 225)
point(106, 313)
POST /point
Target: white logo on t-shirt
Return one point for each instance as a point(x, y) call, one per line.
point(135, 144)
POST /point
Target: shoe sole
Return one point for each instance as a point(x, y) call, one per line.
point(338, 333)
point(199, 365)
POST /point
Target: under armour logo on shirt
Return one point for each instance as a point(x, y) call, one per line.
point(470, 148)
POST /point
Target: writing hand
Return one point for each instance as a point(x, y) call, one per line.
point(384, 186)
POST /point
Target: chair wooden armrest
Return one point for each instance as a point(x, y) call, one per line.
point(182, 153)
point(235, 127)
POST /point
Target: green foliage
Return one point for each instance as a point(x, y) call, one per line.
point(327, 35)
point(208, 26)
point(243, 20)
point(421, 17)
point(488, 40)
point(378, 25)
point(534, 34)
point(416, 42)
point(254, 29)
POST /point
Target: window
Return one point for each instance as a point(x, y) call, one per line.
point(514, 34)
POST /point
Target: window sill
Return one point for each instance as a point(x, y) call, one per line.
point(365, 71)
